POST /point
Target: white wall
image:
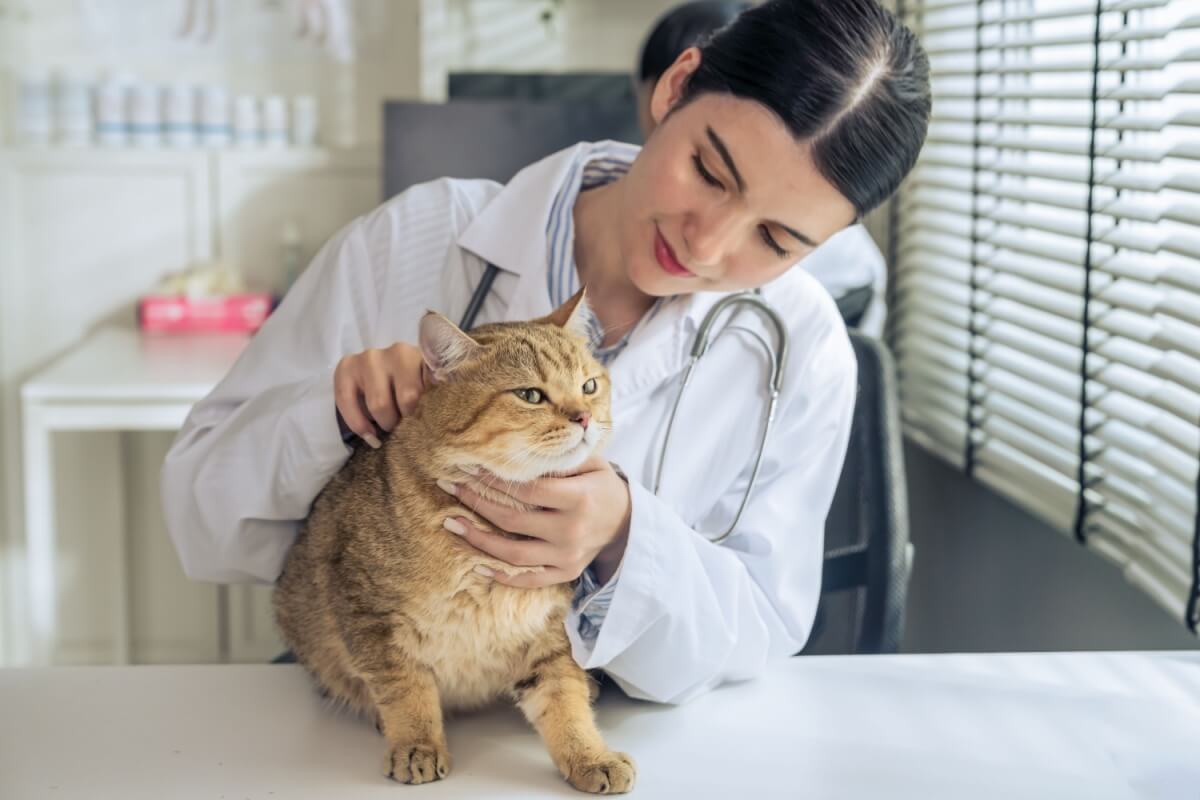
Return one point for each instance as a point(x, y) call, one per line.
point(523, 36)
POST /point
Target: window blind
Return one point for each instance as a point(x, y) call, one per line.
point(1046, 247)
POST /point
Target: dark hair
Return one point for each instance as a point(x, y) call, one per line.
point(843, 75)
point(684, 26)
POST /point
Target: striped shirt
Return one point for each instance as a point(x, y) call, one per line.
point(603, 163)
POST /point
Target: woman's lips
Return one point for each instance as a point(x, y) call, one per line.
point(666, 258)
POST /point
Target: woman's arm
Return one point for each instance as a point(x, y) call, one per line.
point(254, 453)
point(686, 614)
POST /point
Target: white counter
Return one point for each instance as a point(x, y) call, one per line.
point(1052, 727)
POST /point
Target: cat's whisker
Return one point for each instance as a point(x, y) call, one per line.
point(516, 460)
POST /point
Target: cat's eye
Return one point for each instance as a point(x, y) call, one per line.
point(534, 396)
point(589, 387)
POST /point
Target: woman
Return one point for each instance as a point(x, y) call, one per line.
point(783, 130)
point(849, 265)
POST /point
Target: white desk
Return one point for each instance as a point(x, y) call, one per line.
point(116, 380)
point(1051, 727)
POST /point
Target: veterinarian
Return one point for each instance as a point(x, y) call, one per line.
point(787, 127)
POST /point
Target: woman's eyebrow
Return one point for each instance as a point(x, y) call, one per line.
point(723, 152)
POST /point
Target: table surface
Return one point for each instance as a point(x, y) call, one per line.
point(122, 364)
point(1090, 726)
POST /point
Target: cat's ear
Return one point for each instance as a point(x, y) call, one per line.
point(443, 346)
point(573, 314)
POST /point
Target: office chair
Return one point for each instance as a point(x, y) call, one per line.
point(854, 303)
point(868, 557)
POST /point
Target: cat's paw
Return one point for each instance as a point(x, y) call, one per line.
point(611, 773)
point(417, 762)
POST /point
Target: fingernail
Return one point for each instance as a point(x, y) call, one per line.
point(373, 441)
point(484, 571)
point(454, 526)
point(447, 486)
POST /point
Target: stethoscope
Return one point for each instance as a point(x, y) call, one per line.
point(776, 357)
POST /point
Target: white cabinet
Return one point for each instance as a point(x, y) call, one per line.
point(82, 235)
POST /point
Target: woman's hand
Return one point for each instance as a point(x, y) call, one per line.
point(579, 520)
point(378, 388)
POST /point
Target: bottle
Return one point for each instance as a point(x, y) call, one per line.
point(73, 111)
point(247, 122)
point(290, 246)
point(214, 127)
point(275, 121)
point(179, 115)
point(304, 120)
point(33, 109)
point(112, 124)
point(145, 114)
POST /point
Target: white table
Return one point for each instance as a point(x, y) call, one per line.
point(116, 380)
point(1052, 727)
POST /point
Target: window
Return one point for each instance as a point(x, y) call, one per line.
point(1046, 308)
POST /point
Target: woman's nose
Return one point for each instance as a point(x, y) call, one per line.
point(711, 235)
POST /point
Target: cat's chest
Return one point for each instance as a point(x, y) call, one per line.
point(477, 640)
point(492, 615)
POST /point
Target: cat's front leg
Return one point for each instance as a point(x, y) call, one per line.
point(556, 698)
point(409, 716)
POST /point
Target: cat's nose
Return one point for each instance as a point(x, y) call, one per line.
point(582, 417)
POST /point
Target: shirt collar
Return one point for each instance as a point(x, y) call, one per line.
point(510, 231)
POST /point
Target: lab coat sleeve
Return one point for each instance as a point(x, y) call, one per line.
point(254, 453)
point(688, 614)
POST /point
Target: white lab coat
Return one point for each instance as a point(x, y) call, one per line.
point(686, 614)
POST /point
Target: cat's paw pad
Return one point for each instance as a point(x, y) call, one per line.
point(611, 773)
point(415, 763)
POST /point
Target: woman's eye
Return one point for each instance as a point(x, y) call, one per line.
point(534, 396)
point(704, 173)
point(771, 243)
point(589, 387)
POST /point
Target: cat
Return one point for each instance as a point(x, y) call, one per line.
point(384, 606)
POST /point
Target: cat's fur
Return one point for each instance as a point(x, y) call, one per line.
point(384, 606)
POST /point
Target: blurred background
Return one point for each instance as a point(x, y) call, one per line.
point(167, 168)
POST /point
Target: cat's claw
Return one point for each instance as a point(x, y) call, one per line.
point(612, 773)
point(417, 763)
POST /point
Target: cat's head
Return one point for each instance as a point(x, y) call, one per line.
point(519, 399)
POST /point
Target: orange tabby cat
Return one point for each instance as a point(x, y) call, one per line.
point(384, 606)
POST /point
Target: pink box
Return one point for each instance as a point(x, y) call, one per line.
point(237, 313)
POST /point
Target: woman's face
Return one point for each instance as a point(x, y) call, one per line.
point(722, 197)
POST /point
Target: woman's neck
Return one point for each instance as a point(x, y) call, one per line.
point(613, 298)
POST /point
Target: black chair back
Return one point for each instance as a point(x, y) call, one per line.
point(867, 551)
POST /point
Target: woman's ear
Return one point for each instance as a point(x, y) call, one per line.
point(673, 83)
point(572, 315)
point(444, 347)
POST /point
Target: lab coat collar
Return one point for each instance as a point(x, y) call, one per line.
point(511, 231)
